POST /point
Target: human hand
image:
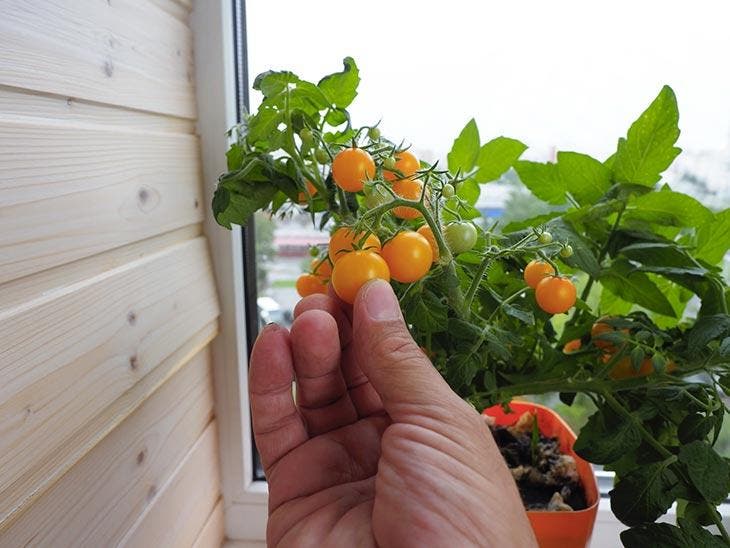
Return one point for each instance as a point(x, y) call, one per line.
point(377, 450)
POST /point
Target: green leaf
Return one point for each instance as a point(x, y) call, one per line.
point(583, 256)
point(709, 472)
point(496, 157)
point(543, 180)
point(706, 329)
point(236, 206)
point(272, 83)
point(665, 535)
point(536, 221)
point(649, 145)
point(606, 437)
point(336, 117)
point(465, 149)
point(695, 426)
point(668, 208)
point(234, 157)
point(525, 316)
point(469, 190)
point(341, 87)
point(624, 281)
point(585, 178)
point(663, 254)
point(427, 312)
point(713, 238)
point(263, 125)
point(461, 367)
point(644, 494)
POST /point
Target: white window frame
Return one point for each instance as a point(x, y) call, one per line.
point(245, 500)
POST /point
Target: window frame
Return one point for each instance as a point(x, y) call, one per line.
point(214, 25)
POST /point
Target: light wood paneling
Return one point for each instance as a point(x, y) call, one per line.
point(213, 532)
point(122, 52)
point(182, 506)
point(28, 106)
point(73, 354)
point(43, 285)
point(102, 496)
point(44, 161)
point(91, 191)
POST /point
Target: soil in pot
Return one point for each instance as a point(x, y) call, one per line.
point(547, 479)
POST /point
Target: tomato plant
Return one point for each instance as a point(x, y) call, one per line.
point(354, 269)
point(408, 255)
point(648, 340)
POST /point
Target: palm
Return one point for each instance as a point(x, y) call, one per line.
point(406, 465)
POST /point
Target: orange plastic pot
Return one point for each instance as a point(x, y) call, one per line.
point(557, 529)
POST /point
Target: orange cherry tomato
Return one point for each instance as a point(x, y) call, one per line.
point(405, 163)
point(344, 240)
point(598, 329)
point(311, 191)
point(408, 255)
point(572, 346)
point(309, 284)
point(535, 271)
point(322, 268)
point(555, 295)
point(410, 189)
point(351, 168)
point(427, 233)
point(354, 269)
point(624, 369)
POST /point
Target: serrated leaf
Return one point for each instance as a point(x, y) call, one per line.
point(496, 157)
point(665, 535)
point(427, 312)
point(606, 437)
point(465, 149)
point(336, 117)
point(585, 178)
point(667, 208)
point(536, 221)
point(644, 494)
point(272, 83)
point(709, 472)
point(649, 145)
point(695, 426)
point(713, 238)
point(623, 280)
point(462, 368)
point(706, 329)
point(543, 180)
point(341, 87)
point(236, 206)
point(525, 316)
point(263, 125)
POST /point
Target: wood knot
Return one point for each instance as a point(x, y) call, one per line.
point(143, 195)
point(151, 492)
point(141, 456)
point(131, 318)
point(108, 68)
point(196, 204)
point(134, 363)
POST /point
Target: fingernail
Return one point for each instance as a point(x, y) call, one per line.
point(380, 301)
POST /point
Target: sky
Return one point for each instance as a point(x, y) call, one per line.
point(565, 74)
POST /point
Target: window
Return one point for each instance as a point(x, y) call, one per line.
point(426, 72)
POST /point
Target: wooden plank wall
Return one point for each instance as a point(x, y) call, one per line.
point(107, 300)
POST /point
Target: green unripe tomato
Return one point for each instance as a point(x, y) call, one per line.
point(448, 190)
point(314, 251)
point(375, 197)
point(307, 137)
point(545, 238)
point(321, 156)
point(374, 133)
point(460, 236)
point(567, 251)
point(389, 163)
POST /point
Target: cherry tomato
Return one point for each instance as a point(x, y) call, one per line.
point(309, 284)
point(427, 233)
point(535, 271)
point(555, 295)
point(375, 196)
point(448, 190)
point(624, 369)
point(321, 268)
point(351, 168)
point(572, 346)
point(311, 191)
point(545, 238)
point(601, 327)
point(389, 163)
point(566, 251)
point(374, 133)
point(408, 255)
point(410, 189)
point(321, 156)
point(345, 240)
point(306, 136)
point(405, 163)
point(354, 269)
point(461, 236)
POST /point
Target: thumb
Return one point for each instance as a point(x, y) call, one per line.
point(396, 367)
